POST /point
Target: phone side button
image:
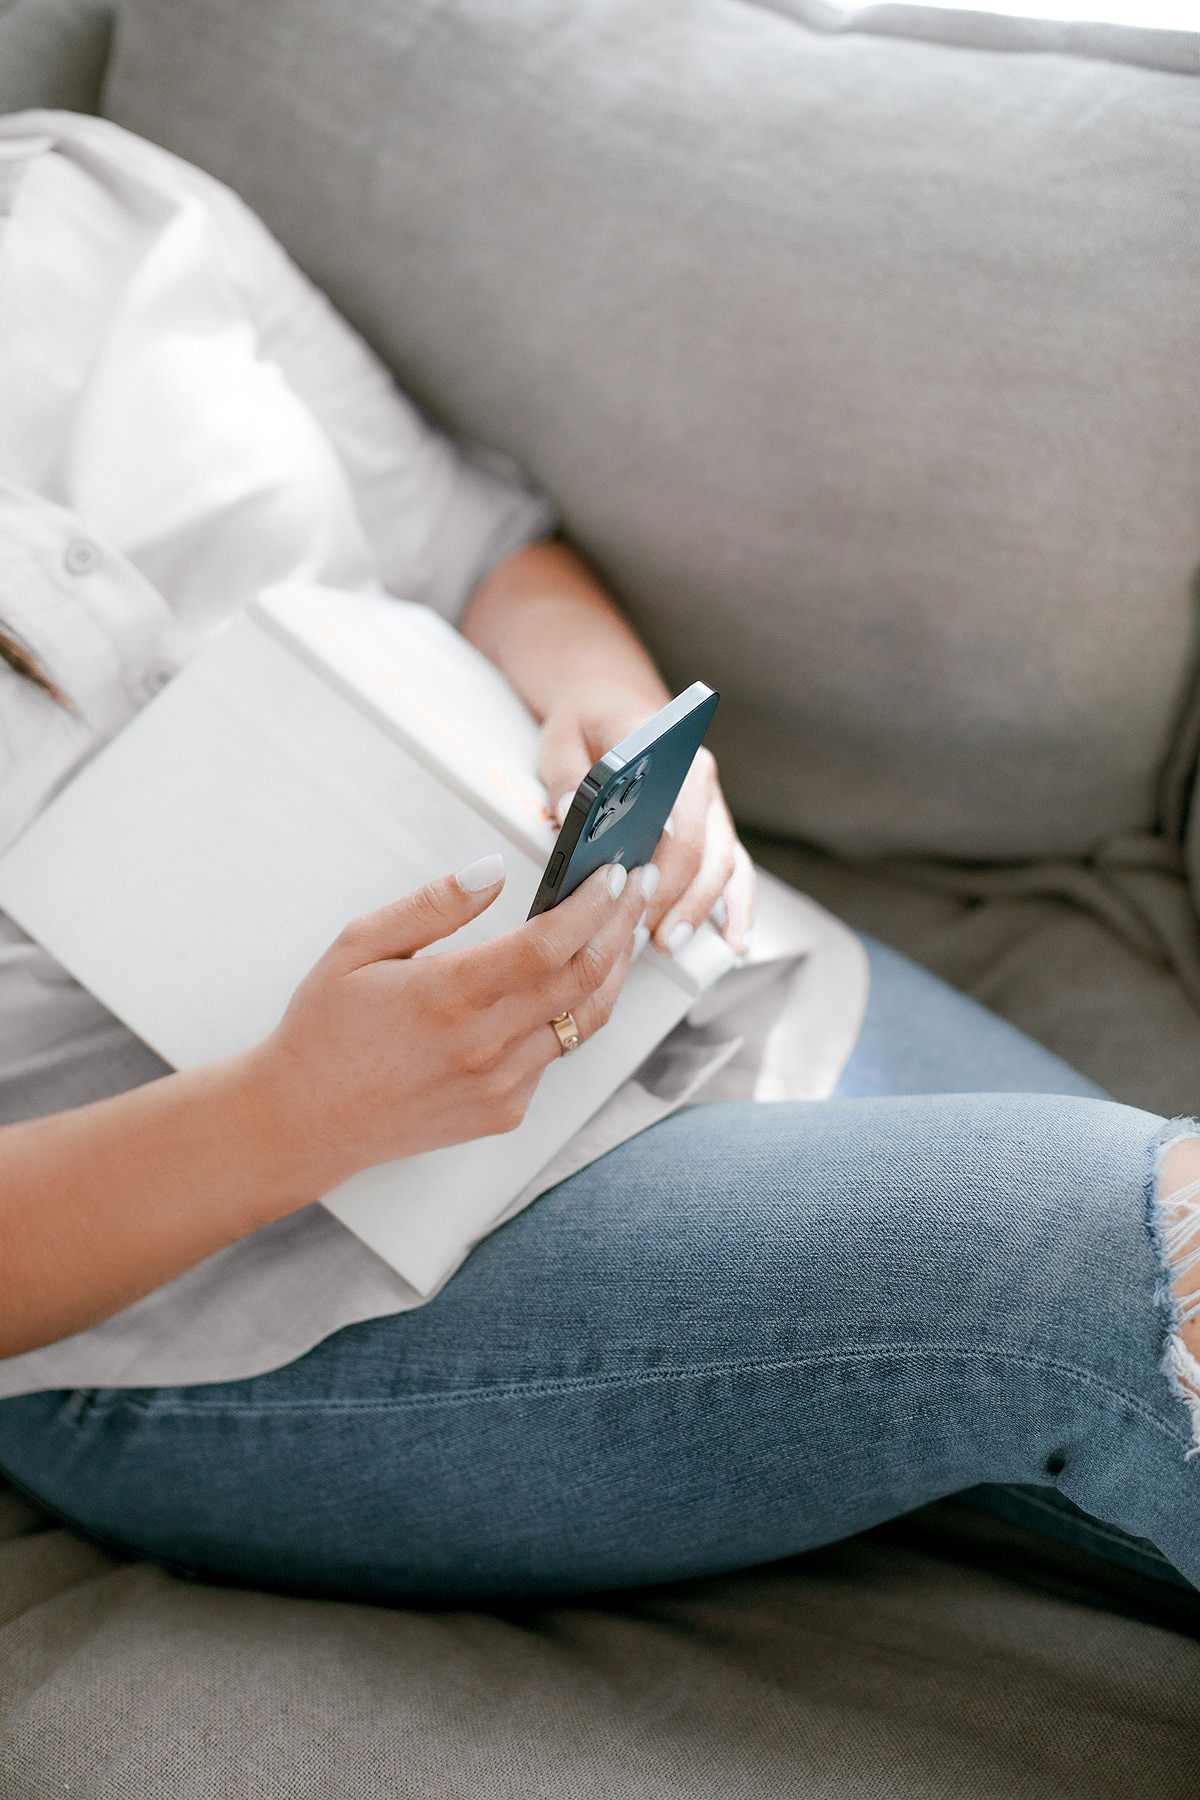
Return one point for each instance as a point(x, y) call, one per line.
point(556, 867)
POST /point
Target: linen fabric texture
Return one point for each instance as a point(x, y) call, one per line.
point(186, 423)
point(855, 363)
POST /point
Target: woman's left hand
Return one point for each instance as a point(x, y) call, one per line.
point(704, 870)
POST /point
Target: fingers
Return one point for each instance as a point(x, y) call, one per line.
point(705, 870)
point(591, 968)
point(706, 887)
point(739, 899)
point(521, 1041)
point(563, 759)
point(432, 912)
point(592, 1011)
point(535, 1045)
point(680, 850)
point(573, 736)
point(695, 861)
point(538, 950)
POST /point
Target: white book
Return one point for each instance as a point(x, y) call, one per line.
point(325, 754)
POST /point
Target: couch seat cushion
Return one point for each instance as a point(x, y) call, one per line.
point(881, 1669)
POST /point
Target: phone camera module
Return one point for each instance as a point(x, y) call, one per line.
point(620, 798)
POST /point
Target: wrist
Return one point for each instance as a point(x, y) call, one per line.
point(277, 1153)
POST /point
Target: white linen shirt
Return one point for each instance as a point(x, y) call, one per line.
point(183, 420)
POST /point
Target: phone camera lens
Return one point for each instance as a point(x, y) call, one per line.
point(622, 795)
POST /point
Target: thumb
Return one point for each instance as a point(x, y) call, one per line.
point(421, 918)
point(564, 758)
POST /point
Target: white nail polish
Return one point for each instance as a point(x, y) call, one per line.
point(678, 936)
point(747, 940)
point(564, 806)
point(647, 877)
point(641, 937)
point(669, 828)
point(617, 877)
point(482, 874)
point(720, 912)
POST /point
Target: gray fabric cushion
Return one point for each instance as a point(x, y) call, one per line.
point(877, 1670)
point(862, 367)
point(1043, 958)
point(53, 53)
point(1157, 47)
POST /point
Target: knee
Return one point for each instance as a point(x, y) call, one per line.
point(1178, 1221)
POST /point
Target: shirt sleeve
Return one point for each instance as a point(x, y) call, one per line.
point(438, 515)
point(91, 624)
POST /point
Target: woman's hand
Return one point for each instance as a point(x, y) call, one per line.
point(703, 868)
point(383, 1054)
point(543, 617)
point(378, 1056)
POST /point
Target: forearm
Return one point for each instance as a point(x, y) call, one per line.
point(104, 1203)
point(545, 620)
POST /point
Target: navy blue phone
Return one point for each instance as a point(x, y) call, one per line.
point(624, 800)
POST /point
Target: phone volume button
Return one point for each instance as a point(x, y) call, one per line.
point(556, 866)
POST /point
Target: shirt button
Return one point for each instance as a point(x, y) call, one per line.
point(80, 556)
point(155, 679)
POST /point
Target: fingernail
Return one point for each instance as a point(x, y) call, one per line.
point(647, 879)
point(482, 874)
point(747, 940)
point(564, 806)
point(641, 937)
point(669, 829)
point(720, 912)
point(678, 936)
point(617, 877)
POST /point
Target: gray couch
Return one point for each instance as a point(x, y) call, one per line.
point(864, 367)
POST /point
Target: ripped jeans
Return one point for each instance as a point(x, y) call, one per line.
point(749, 1331)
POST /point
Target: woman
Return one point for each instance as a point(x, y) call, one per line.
point(746, 1330)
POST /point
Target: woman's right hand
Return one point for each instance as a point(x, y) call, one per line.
point(382, 1054)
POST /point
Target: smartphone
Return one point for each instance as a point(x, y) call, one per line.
point(624, 800)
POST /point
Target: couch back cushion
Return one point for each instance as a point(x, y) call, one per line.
point(865, 369)
point(53, 52)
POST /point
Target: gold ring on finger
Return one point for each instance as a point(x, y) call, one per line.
point(567, 1032)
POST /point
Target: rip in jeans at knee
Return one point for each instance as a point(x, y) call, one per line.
point(1174, 1219)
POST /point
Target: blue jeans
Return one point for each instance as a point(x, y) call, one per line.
point(749, 1331)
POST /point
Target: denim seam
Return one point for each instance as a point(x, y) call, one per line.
point(569, 1384)
point(1098, 1528)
